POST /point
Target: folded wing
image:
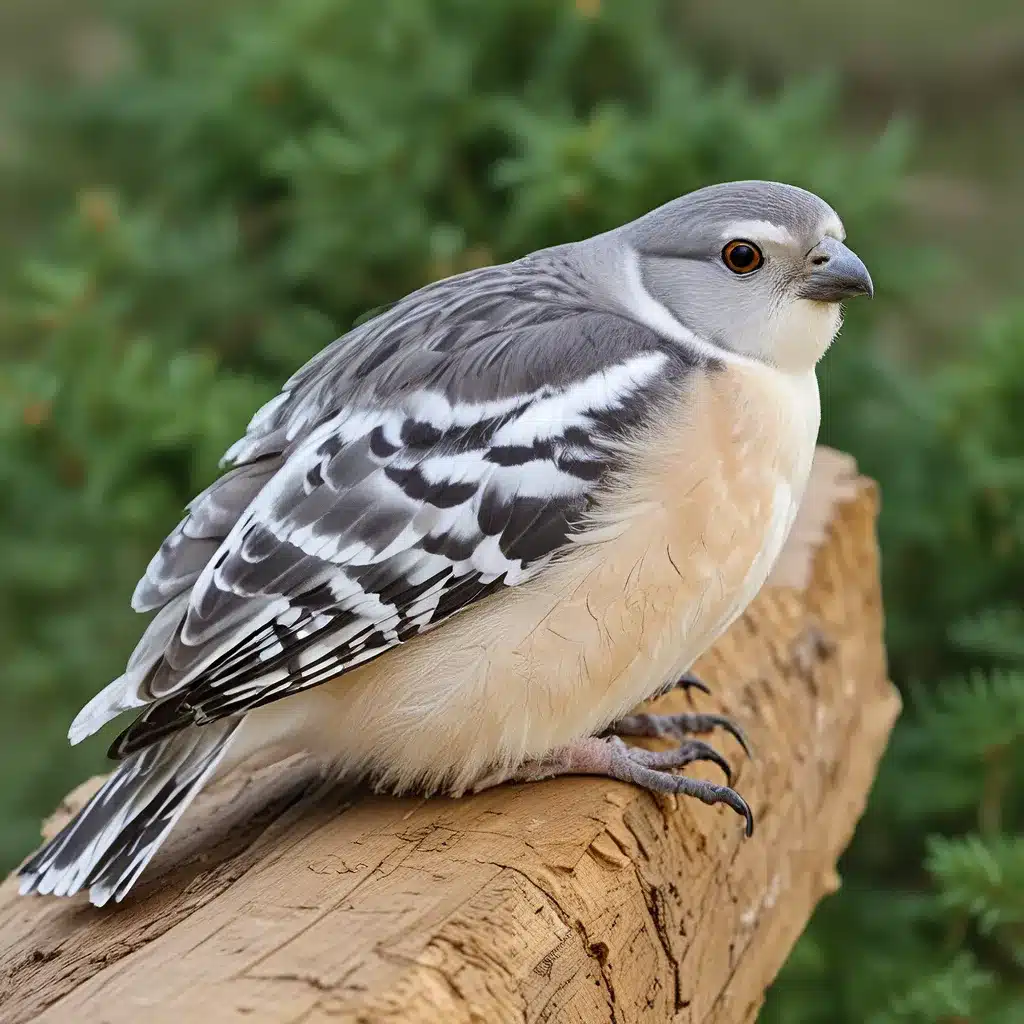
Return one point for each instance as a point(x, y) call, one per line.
point(435, 456)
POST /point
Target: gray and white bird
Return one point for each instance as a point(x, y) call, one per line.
point(469, 536)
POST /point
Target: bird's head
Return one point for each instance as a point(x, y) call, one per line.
point(753, 267)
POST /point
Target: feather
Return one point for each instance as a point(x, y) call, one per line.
point(432, 456)
point(106, 846)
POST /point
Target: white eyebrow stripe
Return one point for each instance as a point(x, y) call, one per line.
point(833, 228)
point(759, 231)
point(651, 312)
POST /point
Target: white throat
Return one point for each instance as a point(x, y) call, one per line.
point(798, 333)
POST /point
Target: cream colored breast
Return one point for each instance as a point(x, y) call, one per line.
point(688, 535)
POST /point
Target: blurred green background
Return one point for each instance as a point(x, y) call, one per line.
point(194, 197)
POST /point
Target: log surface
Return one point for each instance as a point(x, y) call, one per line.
point(576, 900)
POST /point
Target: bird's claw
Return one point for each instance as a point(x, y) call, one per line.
point(687, 681)
point(610, 757)
point(685, 753)
point(677, 726)
point(651, 770)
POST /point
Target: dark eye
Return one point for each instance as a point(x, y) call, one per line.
point(742, 257)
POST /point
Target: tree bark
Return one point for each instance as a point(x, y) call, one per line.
point(576, 899)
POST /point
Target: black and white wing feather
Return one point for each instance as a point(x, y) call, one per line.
point(436, 455)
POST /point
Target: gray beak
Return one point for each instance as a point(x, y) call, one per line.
point(835, 273)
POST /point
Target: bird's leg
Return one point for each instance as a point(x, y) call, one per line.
point(649, 769)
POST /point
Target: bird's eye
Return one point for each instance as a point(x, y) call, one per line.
point(742, 257)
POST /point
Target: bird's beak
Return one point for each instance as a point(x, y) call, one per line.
point(835, 273)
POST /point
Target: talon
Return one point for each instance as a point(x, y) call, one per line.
point(686, 753)
point(688, 681)
point(741, 807)
point(731, 798)
point(732, 729)
point(704, 752)
point(712, 755)
point(677, 725)
point(712, 794)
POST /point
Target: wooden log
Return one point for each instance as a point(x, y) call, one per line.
point(576, 900)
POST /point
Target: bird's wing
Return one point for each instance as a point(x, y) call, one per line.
point(376, 514)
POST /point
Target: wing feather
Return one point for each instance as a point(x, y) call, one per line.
point(379, 495)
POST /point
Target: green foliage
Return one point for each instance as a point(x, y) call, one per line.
point(951, 993)
point(983, 879)
point(247, 189)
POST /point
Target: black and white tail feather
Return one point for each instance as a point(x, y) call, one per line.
point(439, 453)
point(109, 843)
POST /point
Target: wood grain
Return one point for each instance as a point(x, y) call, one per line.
point(576, 900)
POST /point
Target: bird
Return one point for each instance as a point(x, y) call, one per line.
point(471, 535)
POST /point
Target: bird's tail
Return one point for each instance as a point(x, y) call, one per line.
point(108, 843)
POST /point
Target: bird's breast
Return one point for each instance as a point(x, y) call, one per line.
point(684, 540)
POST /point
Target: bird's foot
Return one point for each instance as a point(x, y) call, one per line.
point(676, 726)
point(652, 770)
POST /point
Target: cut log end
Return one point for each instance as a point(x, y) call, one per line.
point(576, 899)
